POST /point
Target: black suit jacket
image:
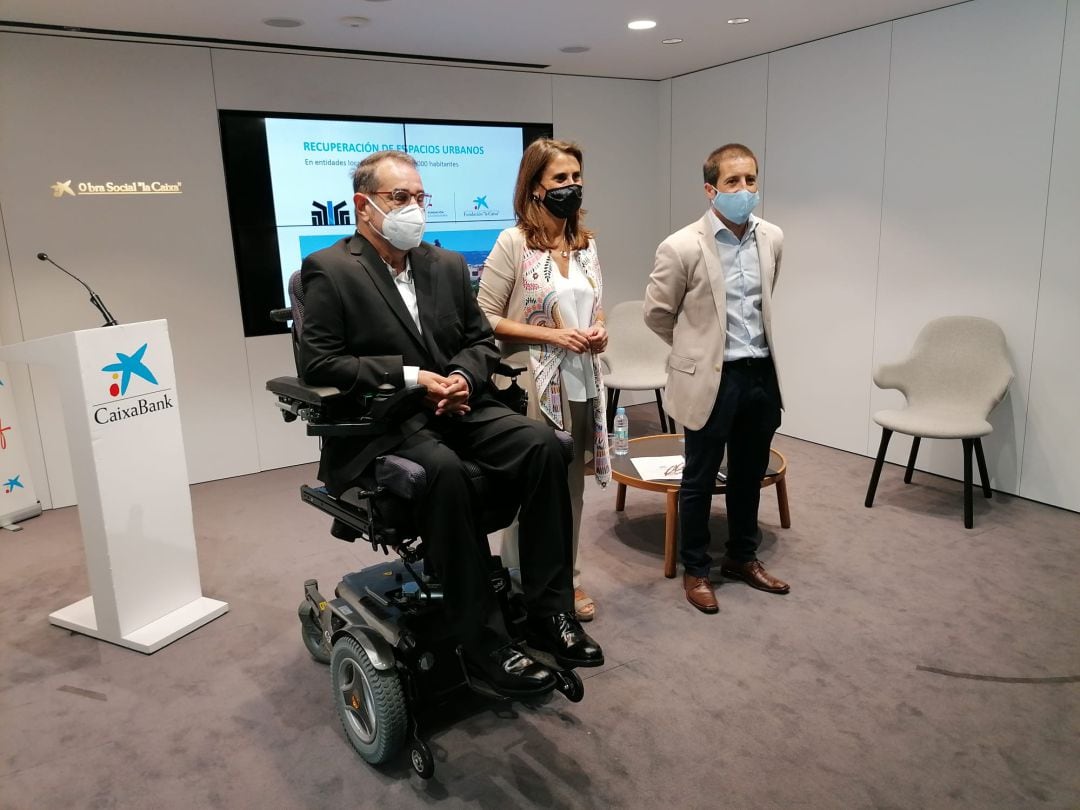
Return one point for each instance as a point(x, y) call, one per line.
point(357, 333)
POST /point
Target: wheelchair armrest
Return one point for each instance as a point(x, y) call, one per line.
point(376, 414)
point(291, 388)
point(283, 315)
point(508, 371)
point(398, 405)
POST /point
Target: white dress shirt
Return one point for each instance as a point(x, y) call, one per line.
point(404, 283)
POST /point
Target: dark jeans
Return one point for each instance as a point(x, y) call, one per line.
point(744, 418)
point(524, 456)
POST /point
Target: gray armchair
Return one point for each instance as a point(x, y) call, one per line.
point(957, 373)
point(635, 360)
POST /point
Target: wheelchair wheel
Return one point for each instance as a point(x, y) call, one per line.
point(311, 633)
point(569, 683)
point(369, 702)
point(421, 759)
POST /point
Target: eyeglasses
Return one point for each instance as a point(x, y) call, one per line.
point(402, 197)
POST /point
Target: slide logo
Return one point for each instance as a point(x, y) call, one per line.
point(330, 214)
point(480, 209)
point(11, 483)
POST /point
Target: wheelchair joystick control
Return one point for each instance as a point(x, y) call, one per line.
point(385, 389)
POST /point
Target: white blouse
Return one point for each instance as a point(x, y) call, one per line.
point(576, 306)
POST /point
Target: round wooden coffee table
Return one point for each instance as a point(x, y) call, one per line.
point(626, 474)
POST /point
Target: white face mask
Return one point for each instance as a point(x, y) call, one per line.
point(403, 227)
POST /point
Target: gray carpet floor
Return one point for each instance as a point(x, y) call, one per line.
point(915, 664)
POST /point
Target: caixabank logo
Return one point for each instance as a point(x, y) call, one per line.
point(480, 209)
point(127, 369)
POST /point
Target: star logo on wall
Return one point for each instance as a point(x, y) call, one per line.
point(62, 187)
point(128, 365)
point(11, 483)
point(481, 202)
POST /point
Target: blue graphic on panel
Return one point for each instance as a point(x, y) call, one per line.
point(330, 214)
point(473, 245)
point(309, 244)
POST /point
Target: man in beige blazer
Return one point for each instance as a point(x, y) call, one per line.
point(710, 298)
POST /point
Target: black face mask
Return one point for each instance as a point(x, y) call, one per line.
point(564, 201)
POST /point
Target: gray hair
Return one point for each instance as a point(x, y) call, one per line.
point(364, 180)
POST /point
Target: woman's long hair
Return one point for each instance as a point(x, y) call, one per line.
point(530, 217)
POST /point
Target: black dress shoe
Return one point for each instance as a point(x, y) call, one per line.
point(510, 672)
point(562, 637)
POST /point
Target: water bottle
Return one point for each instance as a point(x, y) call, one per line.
point(622, 432)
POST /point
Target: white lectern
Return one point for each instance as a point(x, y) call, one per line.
point(127, 454)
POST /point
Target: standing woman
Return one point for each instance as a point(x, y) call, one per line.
point(541, 289)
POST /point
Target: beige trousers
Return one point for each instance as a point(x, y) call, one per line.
point(581, 431)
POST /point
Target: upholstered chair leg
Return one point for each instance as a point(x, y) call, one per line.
point(969, 519)
point(886, 434)
point(987, 492)
point(660, 411)
point(911, 459)
point(612, 404)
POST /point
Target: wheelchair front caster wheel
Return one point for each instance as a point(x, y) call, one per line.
point(421, 759)
point(569, 683)
point(311, 632)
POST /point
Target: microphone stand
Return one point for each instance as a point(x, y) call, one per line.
point(95, 299)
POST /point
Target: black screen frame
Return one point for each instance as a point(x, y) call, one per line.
point(250, 198)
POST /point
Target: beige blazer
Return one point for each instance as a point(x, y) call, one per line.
point(686, 305)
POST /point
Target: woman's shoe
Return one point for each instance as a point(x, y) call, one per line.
point(584, 606)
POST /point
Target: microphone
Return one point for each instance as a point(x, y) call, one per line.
point(94, 298)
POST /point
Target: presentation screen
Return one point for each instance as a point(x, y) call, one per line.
point(289, 183)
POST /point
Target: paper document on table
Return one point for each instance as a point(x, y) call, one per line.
point(659, 468)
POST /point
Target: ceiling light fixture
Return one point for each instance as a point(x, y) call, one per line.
point(738, 20)
point(641, 25)
point(575, 49)
point(283, 22)
point(672, 41)
point(354, 22)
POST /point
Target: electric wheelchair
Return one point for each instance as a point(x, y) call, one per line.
point(383, 633)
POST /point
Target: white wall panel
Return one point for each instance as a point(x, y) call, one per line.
point(613, 122)
point(1052, 443)
point(825, 152)
point(971, 111)
point(247, 80)
point(99, 111)
point(281, 444)
point(708, 109)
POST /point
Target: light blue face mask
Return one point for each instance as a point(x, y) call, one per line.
point(736, 206)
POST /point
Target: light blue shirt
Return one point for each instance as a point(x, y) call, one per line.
point(742, 285)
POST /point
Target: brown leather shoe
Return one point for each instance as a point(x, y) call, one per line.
point(700, 594)
point(753, 573)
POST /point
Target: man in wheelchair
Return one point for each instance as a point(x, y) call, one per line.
point(382, 309)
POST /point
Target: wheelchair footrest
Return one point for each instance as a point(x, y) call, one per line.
point(346, 517)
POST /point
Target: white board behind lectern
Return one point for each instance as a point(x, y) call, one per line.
point(122, 415)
